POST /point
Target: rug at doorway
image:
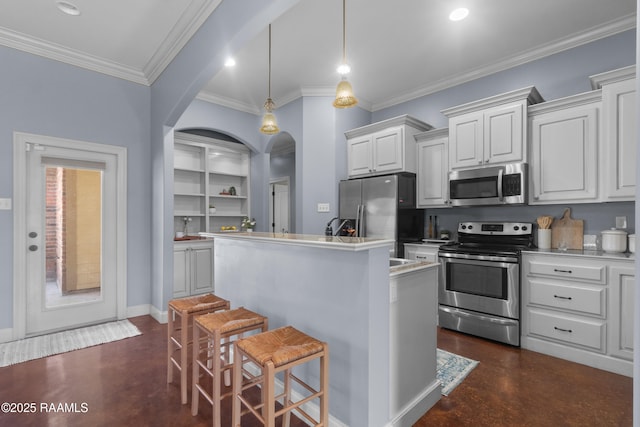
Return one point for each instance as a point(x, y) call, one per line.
point(452, 369)
point(61, 342)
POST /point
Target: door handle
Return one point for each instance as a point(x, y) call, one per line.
point(33, 248)
point(33, 234)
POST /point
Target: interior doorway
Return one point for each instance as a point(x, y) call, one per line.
point(279, 205)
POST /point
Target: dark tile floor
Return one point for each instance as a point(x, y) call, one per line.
point(124, 384)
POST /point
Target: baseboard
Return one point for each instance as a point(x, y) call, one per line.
point(6, 335)
point(415, 409)
point(160, 316)
point(138, 310)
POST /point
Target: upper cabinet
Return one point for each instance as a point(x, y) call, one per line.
point(210, 184)
point(433, 161)
point(384, 147)
point(619, 133)
point(490, 131)
point(564, 149)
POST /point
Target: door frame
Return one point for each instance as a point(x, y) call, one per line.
point(20, 141)
point(283, 181)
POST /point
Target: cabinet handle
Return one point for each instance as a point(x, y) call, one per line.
point(557, 270)
point(561, 297)
point(479, 162)
point(562, 330)
point(536, 198)
point(421, 257)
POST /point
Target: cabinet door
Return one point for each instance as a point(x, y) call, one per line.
point(388, 150)
point(432, 173)
point(181, 271)
point(503, 134)
point(360, 156)
point(466, 140)
point(202, 269)
point(564, 155)
point(622, 292)
point(620, 139)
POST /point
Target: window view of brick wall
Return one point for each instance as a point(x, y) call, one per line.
point(73, 228)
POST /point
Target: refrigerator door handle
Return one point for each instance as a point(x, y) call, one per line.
point(361, 215)
point(358, 221)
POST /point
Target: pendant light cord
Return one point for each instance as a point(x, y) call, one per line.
point(344, 31)
point(269, 91)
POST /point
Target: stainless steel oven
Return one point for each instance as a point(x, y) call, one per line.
point(479, 286)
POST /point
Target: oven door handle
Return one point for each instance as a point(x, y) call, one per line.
point(475, 258)
point(460, 313)
point(500, 194)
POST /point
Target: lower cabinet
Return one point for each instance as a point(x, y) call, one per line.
point(579, 308)
point(192, 268)
point(421, 252)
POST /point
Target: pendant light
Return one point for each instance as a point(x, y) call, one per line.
point(269, 124)
point(344, 91)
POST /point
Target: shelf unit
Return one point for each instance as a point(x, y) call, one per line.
point(206, 172)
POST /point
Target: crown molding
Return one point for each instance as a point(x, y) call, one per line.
point(180, 34)
point(611, 28)
point(168, 49)
point(229, 103)
point(56, 52)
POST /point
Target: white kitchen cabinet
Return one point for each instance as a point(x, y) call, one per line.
point(619, 133)
point(622, 297)
point(432, 176)
point(383, 147)
point(209, 172)
point(192, 268)
point(490, 131)
point(421, 251)
point(564, 149)
point(579, 308)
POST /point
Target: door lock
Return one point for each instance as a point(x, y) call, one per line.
point(33, 248)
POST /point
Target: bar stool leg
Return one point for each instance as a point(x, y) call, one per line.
point(216, 378)
point(170, 327)
point(324, 386)
point(268, 395)
point(184, 354)
point(236, 406)
point(195, 396)
point(287, 397)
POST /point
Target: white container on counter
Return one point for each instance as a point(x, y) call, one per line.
point(614, 240)
point(632, 243)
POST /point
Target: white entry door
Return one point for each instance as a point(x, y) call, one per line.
point(71, 232)
point(279, 207)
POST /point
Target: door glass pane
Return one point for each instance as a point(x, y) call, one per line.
point(73, 211)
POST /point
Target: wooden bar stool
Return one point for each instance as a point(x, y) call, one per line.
point(273, 352)
point(179, 335)
point(212, 343)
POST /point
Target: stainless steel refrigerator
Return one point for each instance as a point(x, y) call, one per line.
point(382, 207)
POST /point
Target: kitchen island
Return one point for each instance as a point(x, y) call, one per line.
point(337, 289)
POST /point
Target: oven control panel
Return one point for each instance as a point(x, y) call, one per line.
point(496, 228)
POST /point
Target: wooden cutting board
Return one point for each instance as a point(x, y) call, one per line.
point(567, 232)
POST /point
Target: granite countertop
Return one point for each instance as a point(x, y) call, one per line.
point(406, 268)
point(584, 252)
point(329, 242)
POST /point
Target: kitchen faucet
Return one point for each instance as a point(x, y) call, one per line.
point(328, 231)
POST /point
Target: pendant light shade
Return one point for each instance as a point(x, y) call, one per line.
point(269, 124)
point(344, 92)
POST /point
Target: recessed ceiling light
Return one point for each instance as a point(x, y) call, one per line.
point(459, 14)
point(230, 62)
point(68, 8)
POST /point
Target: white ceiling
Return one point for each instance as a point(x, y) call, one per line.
point(397, 50)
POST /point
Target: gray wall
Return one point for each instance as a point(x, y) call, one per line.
point(47, 97)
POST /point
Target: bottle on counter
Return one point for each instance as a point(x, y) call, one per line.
point(435, 226)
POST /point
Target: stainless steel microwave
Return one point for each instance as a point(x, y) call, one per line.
point(492, 185)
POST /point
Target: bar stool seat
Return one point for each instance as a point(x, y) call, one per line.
point(212, 343)
point(279, 350)
point(179, 334)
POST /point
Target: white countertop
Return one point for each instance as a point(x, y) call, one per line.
point(329, 242)
point(587, 253)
